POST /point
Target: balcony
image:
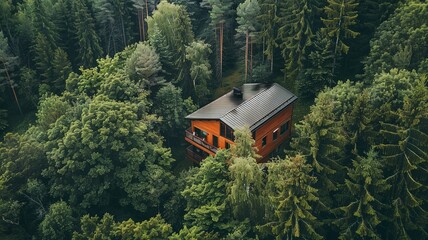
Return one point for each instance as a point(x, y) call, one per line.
point(199, 141)
point(195, 154)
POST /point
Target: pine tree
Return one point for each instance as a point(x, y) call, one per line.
point(87, 39)
point(292, 199)
point(219, 14)
point(364, 210)
point(341, 15)
point(248, 12)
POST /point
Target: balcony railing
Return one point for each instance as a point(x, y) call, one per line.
point(194, 156)
point(200, 141)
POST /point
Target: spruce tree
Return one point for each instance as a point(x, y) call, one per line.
point(87, 40)
point(364, 210)
point(340, 16)
point(268, 19)
point(294, 34)
point(292, 200)
point(403, 149)
point(61, 68)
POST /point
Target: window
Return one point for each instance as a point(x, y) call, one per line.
point(215, 141)
point(275, 134)
point(284, 127)
point(226, 131)
point(200, 133)
point(264, 141)
point(227, 145)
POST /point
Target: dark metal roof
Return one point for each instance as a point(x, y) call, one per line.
point(258, 103)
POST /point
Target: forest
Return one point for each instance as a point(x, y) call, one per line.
point(94, 94)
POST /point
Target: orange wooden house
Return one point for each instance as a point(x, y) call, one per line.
point(266, 109)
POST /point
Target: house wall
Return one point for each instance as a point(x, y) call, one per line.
point(212, 127)
point(266, 130)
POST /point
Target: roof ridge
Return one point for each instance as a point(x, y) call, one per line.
point(247, 99)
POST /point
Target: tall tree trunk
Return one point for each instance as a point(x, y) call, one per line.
point(251, 57)
point(221, 49)
point(139, 24)
point(12, 87)
point(337, 39)
point(246, 56)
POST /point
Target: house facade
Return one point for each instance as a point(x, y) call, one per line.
point(266, 109)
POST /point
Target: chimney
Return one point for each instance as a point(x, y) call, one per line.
point(237, 92)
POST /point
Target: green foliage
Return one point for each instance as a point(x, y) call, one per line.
point(87, 40)
point(144, 66)
point(107, 228)
point(292, 200)
point(200, 68)
point(58, 222)
point(363, 211)
point(118, 151)
point(268, 19)
point(317, 73)
point(244, 144)
point(50, 109)
point(205, 194)
point(294, 34)
point(61, 68)
point(193, 233)
point(399, 41)
point(404, 151)
point(170, 24)
point(341, 15)
point(171, 107)
point(21, 158)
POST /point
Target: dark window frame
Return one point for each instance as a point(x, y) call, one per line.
point(275, 134)
point(284, 127)
point(264, 141)
point(215, 141)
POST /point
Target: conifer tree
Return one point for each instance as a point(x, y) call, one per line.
point(341, 15)
point(219, 14)
point(43, 23)
point(404, 151)
point(87, 40)
point(364, 210)
point(177, 35)
point(248, 12)
point(294, 33)
point(292, 199)
point(43, 55)
point(268, 19)
point(144, 66)
point(61, 68)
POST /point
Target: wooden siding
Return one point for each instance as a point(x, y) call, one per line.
point(266, 130)
point(212, 127)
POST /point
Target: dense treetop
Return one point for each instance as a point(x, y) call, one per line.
point(94, 94)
